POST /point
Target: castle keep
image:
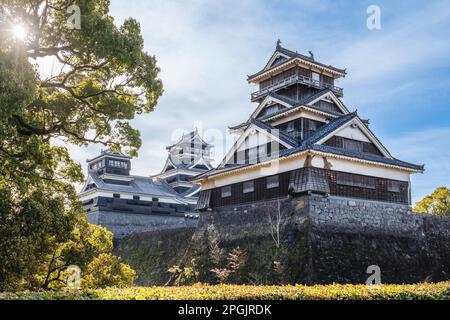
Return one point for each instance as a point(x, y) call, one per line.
point(301, 138)
point(307, 187)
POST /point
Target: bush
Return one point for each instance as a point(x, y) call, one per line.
point(425, 291)
point(106, 270)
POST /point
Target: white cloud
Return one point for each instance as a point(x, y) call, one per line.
point(410, 43)
point(429, 147)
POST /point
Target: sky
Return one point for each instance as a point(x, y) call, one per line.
point(397, 76)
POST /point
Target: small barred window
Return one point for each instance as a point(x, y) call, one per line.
point(348, 179)
point(272, 182)
point(249, 186)
point(394, 186)
point(226, 191)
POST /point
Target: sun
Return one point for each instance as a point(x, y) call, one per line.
point(19, 31)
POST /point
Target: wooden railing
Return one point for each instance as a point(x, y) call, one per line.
point(296, 79)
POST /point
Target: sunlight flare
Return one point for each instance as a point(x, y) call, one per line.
point(19, 31)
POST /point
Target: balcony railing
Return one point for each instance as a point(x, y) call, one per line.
point(296, 79)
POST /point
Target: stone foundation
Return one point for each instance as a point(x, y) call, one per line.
point(320, 240)
point(339, 238)
point(123, 224)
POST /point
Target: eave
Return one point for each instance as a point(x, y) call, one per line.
point(260, 76)
point(302, 153)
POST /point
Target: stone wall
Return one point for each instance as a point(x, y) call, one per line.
point(341, 237)
point(347, 236)
point(152, 253)
point(122, 224)
point(308, 239)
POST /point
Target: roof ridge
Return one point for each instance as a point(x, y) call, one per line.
point(292, 55)
point(326, 129)
point(366, 156)
point(313, 96)
point(281, 134)
point(287, 51)
point(280, 97)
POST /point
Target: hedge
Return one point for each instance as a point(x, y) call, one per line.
point(421, 291)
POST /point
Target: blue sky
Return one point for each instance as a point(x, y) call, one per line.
point(398, 76)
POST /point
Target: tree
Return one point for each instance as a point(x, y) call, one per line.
point(85, 244)
point(103, 80)
point(106, 270)
point(274, 217)
point(436, 203)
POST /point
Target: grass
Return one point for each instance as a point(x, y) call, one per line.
point(423, 291)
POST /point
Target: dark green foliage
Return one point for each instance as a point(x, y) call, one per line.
point(101, 80)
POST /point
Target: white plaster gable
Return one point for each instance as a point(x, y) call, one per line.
point(352, 132)
point(301, 112)
point(330, 97)
point(200, 161)
point(253, 136)
point(274, 57)
point(359, 130)
point(88, 181)
point(269, 100)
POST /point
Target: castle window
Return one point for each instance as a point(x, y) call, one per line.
point(246, 156)
point(271, 110)
point(155, 199)
point(290, 129)
point(117, 164)
point(309, 126)
point(353, 145)
point(253, 155)
point(136, 198)
point(316, 77)
point(269, 149)
point(240, 157)
point(394, 186)
point(352, 180)
point(116, 195)
point(272, 182)
point(226, 192)
point(248, 187)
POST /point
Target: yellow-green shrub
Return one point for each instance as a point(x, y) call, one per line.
point(236, 292)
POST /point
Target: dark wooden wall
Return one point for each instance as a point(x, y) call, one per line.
point(370, 188)
point(353, 145)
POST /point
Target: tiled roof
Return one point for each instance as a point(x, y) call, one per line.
point(139, 185)
point(294, 104)
point(314, 96)
point(191, 190)
point(292, 55)
point(301, 103)
point(310, 144)
point(367, 156)
point(108, 152)
point(191, 135)
point(203, 200)
point(227, 167)
point(181, 165)
point(241, 125)
point(309, 179)
point(283, 98)
point(328, 128)
point(284, 137)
